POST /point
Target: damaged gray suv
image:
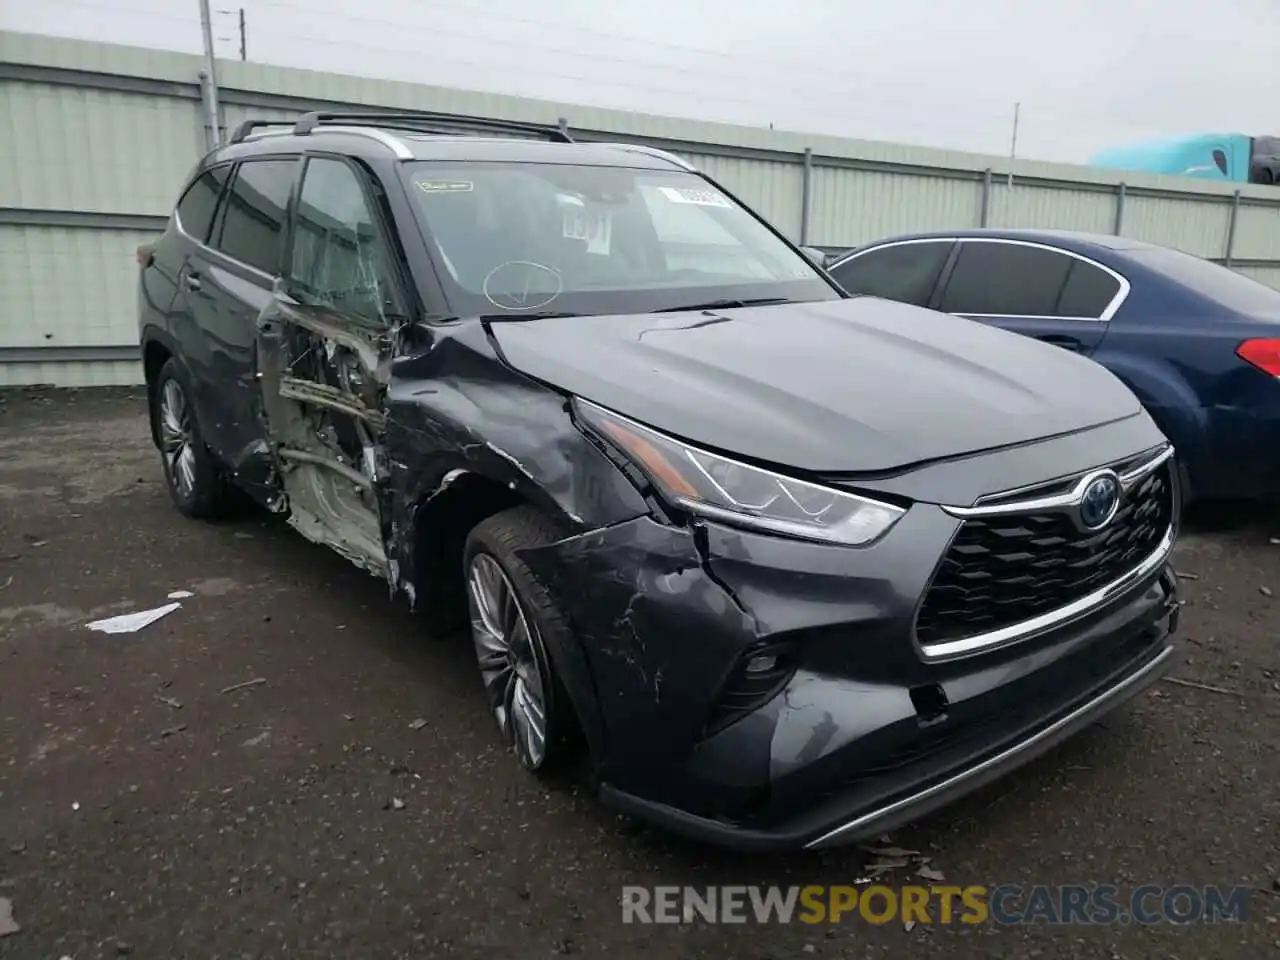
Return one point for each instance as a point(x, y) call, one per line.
point(781, 567)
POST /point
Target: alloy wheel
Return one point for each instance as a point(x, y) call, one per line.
point(176, 442)
point(506, 647)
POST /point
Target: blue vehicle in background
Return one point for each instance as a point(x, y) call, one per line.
point(1197, 343)
point(1208, 156)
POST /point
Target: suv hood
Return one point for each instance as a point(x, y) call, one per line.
point(858, 385)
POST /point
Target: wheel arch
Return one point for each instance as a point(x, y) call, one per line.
point(441, 522)
point(157, 349)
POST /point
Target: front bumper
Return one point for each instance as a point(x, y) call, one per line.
point(832, 826)
point(865, 732)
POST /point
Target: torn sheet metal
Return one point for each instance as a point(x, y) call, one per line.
point(456, 412)
point(322, 374)
point(133, 622)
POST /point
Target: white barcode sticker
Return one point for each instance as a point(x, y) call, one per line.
point(698, 196)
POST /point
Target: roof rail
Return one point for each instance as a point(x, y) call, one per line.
point(248, 126)
point(649, 151)
point(423, 121)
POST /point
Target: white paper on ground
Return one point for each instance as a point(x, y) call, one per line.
point(181, 595)
point(133, 622)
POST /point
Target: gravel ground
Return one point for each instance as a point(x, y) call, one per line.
point(145, 810)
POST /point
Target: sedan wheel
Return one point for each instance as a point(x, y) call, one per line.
point(511, 658)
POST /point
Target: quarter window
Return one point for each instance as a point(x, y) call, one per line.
point(339, 259)
point(1088, 291)
point(198, 204)
point(1006, 279)
point(253, 221)
point(907, 272)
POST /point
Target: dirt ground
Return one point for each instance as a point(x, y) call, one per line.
point(146, 810)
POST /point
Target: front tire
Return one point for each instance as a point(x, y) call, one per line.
point(511, 615)
point(195, 483)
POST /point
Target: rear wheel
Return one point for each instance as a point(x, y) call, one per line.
point(512, 614)
point(195, 483)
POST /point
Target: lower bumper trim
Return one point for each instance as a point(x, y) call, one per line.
point(990, 769)
point(907, 809)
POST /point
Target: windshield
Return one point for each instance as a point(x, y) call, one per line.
point(519, 238)
point(1221, 285)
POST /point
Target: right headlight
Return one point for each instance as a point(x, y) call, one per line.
point(732, 492)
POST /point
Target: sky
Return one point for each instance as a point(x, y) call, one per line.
point(1086, 74)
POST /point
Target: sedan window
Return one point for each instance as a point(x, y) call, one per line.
point(1006, 279)
point(906, 272)
point(1088, 292)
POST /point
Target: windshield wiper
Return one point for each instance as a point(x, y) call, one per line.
point(726, 304)
point(532, 315)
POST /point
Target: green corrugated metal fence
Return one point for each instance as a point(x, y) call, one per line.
point(95, 138)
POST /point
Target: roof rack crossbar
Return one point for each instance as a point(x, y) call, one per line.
point(243, 130)
point(421, 122)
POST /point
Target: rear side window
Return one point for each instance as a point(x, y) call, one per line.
point(905, 272)
point(1220, 158)
point(1006, 279)
point(198, 204)
point(254, 216)
point(1088, 292)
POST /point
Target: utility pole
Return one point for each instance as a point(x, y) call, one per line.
point(240, 12)
point(1013, 144)
point(209, 81)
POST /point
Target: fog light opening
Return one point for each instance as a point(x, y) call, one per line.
point(762, 663)
point(930, 703)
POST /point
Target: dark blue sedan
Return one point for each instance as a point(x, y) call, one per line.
point(1198, 343)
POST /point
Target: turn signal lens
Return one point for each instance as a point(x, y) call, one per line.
point(1263, 354)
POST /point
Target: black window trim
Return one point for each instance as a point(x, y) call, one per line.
point(1116, 303)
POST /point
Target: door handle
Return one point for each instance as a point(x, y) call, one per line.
point(192, 281)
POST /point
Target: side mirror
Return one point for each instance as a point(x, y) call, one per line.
point(818, 257)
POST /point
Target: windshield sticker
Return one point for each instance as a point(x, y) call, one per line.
point(444, 186)
point(596, 229)
point(694, 195)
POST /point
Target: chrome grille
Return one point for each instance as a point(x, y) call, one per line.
point(1003, 569)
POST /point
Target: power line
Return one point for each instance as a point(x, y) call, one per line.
point(128, 10)
point(751, 68)
point(923, 121)
point(240, 16)
point(991, 107)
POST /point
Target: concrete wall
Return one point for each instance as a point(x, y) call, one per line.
point(95, 138)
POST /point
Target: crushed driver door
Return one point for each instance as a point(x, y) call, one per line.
point(323, 348)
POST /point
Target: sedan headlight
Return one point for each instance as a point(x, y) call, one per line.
point(737, 493)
